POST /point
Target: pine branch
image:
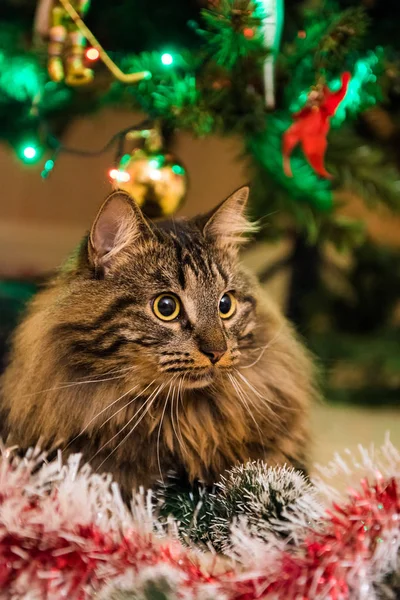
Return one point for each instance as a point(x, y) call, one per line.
point(329, 39)
point(343, 36)
point(364, 169)
point(233, 31)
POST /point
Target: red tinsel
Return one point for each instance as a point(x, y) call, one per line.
point(65, 533)
point(311, 126)
point(336, 563)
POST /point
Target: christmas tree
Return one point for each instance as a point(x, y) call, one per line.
point(311, 88)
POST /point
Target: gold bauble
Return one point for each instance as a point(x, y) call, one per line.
point(158, 182)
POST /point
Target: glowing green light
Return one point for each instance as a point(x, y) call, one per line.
point(49, 165)
point(29, 152)
point(178, 170)
point(125, 159)
point(356, 95)
point(154, 163)
point(167, 59)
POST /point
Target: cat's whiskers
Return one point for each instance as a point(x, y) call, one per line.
point(128, 403)
point(160, 426)
point(153, 394)
point(267, 401)
point(172, 415)
point(69, 384)
point(241, 396)
point(263, 349)
point(178, 432)
point(145, 407)
point(181, 402)
point(113, 371)
point(97, 415)
point(245, 395)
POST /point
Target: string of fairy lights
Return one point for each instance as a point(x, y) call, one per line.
point(30, 151)
point(142, 166)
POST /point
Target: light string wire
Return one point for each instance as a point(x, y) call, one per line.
point(117, 139)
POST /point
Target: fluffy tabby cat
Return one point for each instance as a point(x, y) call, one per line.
point(153, 349)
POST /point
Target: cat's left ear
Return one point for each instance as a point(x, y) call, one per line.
point(227, 224)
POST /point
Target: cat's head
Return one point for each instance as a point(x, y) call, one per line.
point(168, 297)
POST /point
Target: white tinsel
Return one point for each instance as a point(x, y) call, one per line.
point(85, 498)
point(268, 502)
point(348, 467)
point(261, 555)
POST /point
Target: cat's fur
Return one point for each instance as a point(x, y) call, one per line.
point(92, 369)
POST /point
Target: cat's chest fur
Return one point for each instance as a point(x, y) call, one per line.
point(196, 433)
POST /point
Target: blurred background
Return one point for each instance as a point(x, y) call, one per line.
point(227, 92)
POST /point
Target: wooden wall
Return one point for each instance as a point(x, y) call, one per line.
point(42, 220)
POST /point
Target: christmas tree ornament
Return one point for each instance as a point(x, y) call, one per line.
point(272, 28)
point(77, 73)
point(249, 33)
point(85, 32)
point(66, 39)
point(61, 21)
point(154, 178)
point(311, 126)
point(58, 36)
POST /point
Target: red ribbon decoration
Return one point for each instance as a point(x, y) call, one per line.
point(310, 128)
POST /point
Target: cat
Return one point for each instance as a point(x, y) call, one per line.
point(153, 349)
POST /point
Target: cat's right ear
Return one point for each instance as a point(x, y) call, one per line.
point(119, 223)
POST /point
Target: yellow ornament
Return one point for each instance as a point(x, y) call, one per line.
point(67, 45)
point(157, 181)
point(60, 22)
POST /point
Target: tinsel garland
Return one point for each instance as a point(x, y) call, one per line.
point(65, 532)
point(261, 496)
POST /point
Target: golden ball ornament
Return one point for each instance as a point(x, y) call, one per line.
point(158, 182)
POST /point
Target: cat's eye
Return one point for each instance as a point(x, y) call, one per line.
point(166, 307)
point(227, 305)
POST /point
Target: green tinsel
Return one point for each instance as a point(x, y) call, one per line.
point(159, 589)
point(264, 497)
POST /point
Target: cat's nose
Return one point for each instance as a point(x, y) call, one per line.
point(212, 343)
point(213, 355)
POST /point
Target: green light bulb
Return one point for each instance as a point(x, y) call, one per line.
point(178, 170)
point(49, 164)
point(29, 152)
point(167, 59)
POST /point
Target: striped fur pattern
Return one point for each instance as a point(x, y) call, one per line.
point(93, 370)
